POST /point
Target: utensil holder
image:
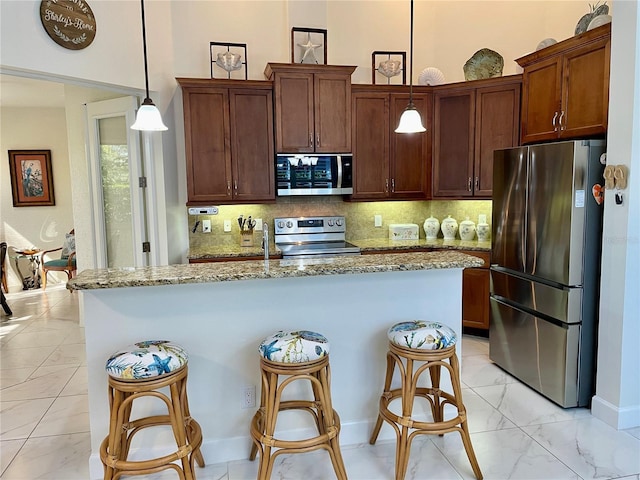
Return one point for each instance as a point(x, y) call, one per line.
point(246, 238)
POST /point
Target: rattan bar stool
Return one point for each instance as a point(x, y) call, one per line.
point(433, 347)
point(138, 371)
point(285, 358)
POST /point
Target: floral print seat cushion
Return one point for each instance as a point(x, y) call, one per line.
point(422, 335)
point(298, 346)
point(146, 359)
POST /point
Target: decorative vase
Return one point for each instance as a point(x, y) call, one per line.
point(431, 227)
point(467, 230)
point(483, 232)
point(449, 228)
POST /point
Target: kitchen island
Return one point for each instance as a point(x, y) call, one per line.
point(221, 311)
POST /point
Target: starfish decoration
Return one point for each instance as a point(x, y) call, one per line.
point(309, 49)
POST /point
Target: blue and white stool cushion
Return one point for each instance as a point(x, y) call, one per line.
point(146, 359)
point(298, 346)
point(422, 335)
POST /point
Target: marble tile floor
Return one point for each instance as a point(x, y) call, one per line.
point(516, 433)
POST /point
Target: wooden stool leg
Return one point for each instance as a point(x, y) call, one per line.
point(330, 422)
point(437, 407)
point(197, 454)
point(466, 437)
point(387, 388)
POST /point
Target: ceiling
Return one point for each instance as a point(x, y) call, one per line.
point(26, 92)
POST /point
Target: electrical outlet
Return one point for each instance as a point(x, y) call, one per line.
point(248, 399)
point(206, 226)
point(227, 225)
point(377, 220)
point(258, 224)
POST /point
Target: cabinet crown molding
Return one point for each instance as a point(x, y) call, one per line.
point(272, 68)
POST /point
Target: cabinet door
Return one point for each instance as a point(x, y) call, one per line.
point(497, 126)
point(453, 139)
point(294, 112)
point(251, 118)
point(585, 93)
point(410, 168)
point(370, 135)
point(541, 85)
point(206, 126)
point(475, 298)
point(332, 108)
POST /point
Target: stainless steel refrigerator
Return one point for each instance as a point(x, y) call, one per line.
point(545, 267)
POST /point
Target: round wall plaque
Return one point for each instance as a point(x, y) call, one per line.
point(70, 23)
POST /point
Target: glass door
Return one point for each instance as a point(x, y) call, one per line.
point(120, 226)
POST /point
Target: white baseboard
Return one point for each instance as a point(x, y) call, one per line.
point(618, 418)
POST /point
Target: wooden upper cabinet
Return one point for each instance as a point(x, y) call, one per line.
point(389, 165)
point(228, 126)
point(497, 126)
point(370, 135)
point(471, 120)
point(312, 107)
point(565, 90)
point(454, 120)
point(410, 166)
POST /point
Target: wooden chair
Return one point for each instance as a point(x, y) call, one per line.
point(66, 265)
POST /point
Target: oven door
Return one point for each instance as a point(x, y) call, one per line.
point(318, 250)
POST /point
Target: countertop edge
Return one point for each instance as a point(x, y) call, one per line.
point(271, 269)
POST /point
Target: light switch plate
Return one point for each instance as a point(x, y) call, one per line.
point(206, 226)
point(377, 220)
point(227, 225)
point(258, 225)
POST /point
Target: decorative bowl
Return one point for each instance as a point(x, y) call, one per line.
point(229, 61)
point(485, 63)
point(390, 68)
point(599, 21)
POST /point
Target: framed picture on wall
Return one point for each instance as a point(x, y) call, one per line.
point(31, 178)
point(308, 45)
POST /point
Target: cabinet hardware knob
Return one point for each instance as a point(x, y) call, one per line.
point(393, 185)
point(477, 183)
point(317, 139)
point(553, 122)
point(228, 188)
point(562, 127)
point(469, 184)
point(311, 139)
point(386, 185)
point(235, 185)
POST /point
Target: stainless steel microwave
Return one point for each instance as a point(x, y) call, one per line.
point(329, 174)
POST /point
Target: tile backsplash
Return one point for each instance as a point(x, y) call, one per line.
point(359, 216)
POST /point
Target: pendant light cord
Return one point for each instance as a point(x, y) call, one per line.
point(410, 60)
point(144, 48)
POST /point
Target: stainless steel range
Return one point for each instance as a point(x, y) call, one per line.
point(312, 237)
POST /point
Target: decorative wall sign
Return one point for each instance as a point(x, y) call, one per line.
point(308, 45)
point(69, 23)
point(31, 178)
point(229, 58)
point(386, 65)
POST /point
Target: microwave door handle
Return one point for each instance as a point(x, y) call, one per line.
point(339, 179)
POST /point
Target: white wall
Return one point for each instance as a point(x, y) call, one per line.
point(617, 399)
point(42, 227)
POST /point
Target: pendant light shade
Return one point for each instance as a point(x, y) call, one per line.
point(148, 117)
point(410, 120)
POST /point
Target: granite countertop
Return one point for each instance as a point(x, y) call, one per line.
point(260, 269)
point(366, 245)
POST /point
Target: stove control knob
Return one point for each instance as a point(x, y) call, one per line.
point(330, 222)
point(289, 224)
point(280, 224)
point(338, 222)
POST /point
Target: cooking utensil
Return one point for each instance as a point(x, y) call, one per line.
point(240, 222)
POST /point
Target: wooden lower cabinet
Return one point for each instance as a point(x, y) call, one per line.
point(475, 294)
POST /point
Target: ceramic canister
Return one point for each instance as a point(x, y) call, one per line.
point(483, 232)
point(431, 227)
point(467, 230)
point(449, 228)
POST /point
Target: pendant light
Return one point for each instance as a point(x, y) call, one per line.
point(148, 117)
point(410, 120)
